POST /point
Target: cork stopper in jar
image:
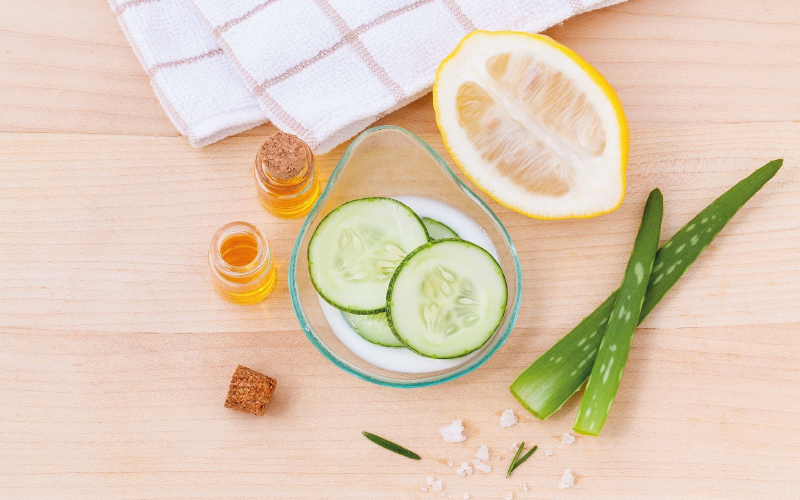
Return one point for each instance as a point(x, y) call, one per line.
point(283, 156)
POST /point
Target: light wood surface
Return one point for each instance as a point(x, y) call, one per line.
point(116, 354)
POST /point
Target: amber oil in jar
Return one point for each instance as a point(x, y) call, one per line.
point(241, 264)
point(286, 176)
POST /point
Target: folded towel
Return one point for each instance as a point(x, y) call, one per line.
point(320, 69)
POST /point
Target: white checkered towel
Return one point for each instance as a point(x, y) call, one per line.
point(321, 69)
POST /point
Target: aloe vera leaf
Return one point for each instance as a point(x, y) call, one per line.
point(616, 344)
point(677, 254)
point(558, 374)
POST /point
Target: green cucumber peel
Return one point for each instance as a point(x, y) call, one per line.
point(616, 344)
point(438, 230)
point(560, 372)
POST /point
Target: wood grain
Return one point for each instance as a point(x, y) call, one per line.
point(116, 354)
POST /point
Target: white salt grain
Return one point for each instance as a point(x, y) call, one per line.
point(436, 486)
point(464, 469)
point(481, 466)
point(449, 463)
point(567, 438)
point(567, 480)
point(508, 496)
point(466, 496)
point(507, 419)
point(453, 433)
point(482, 453)
point(548, 453)
point(498, 458)
point(514, 446)
point(423, 489)
point(523, 486)
point(429, 480)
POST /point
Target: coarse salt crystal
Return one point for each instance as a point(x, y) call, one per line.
point(464, 469)
point(481, 466)
point(567, 480)
point(423, 489)
point(429, 480)
point(508, 496)
point(466, 496)
point(523, 486)
point(436, 486)
point(567, 438)
point(507, 419)
point(449, 463)
point(482, 453)
point(498, 458)
point(453, 433)
point(514, 446)
point(548, 453)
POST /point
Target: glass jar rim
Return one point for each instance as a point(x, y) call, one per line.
point(262, 259)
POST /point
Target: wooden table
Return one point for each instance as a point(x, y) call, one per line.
point(116, 354)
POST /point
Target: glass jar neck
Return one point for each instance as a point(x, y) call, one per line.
point(239, 272)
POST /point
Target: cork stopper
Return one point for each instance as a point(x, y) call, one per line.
point(283, 156)
point(250, 391)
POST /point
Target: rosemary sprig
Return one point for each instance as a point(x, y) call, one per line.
point(385, 443)
point(516, 461)
point(524, 457)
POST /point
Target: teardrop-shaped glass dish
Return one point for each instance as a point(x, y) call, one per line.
point(391, 161)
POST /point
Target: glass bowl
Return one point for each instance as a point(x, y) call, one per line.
point(391, 161)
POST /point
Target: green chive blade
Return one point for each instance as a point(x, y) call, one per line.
point(558, 374)
point(514, 460)
point(385, 443)
point(523, 459)
point(615, 347)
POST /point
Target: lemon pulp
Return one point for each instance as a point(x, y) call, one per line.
point(529, 132)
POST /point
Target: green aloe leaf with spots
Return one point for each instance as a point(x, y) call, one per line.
point(616, 344)
point(550, 381)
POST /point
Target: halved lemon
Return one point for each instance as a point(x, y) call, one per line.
point(533, 125)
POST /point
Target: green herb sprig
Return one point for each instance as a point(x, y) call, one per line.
point(516, 461)
point(385, 443)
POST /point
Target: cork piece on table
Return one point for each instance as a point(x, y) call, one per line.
point(250, 391)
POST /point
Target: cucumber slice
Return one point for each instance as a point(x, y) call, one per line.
point(356, 248)
point(446, 298)
point(373, 328)
point(437, 230)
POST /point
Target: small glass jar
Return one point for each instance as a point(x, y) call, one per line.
point(241, 264)
point(286, 176)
